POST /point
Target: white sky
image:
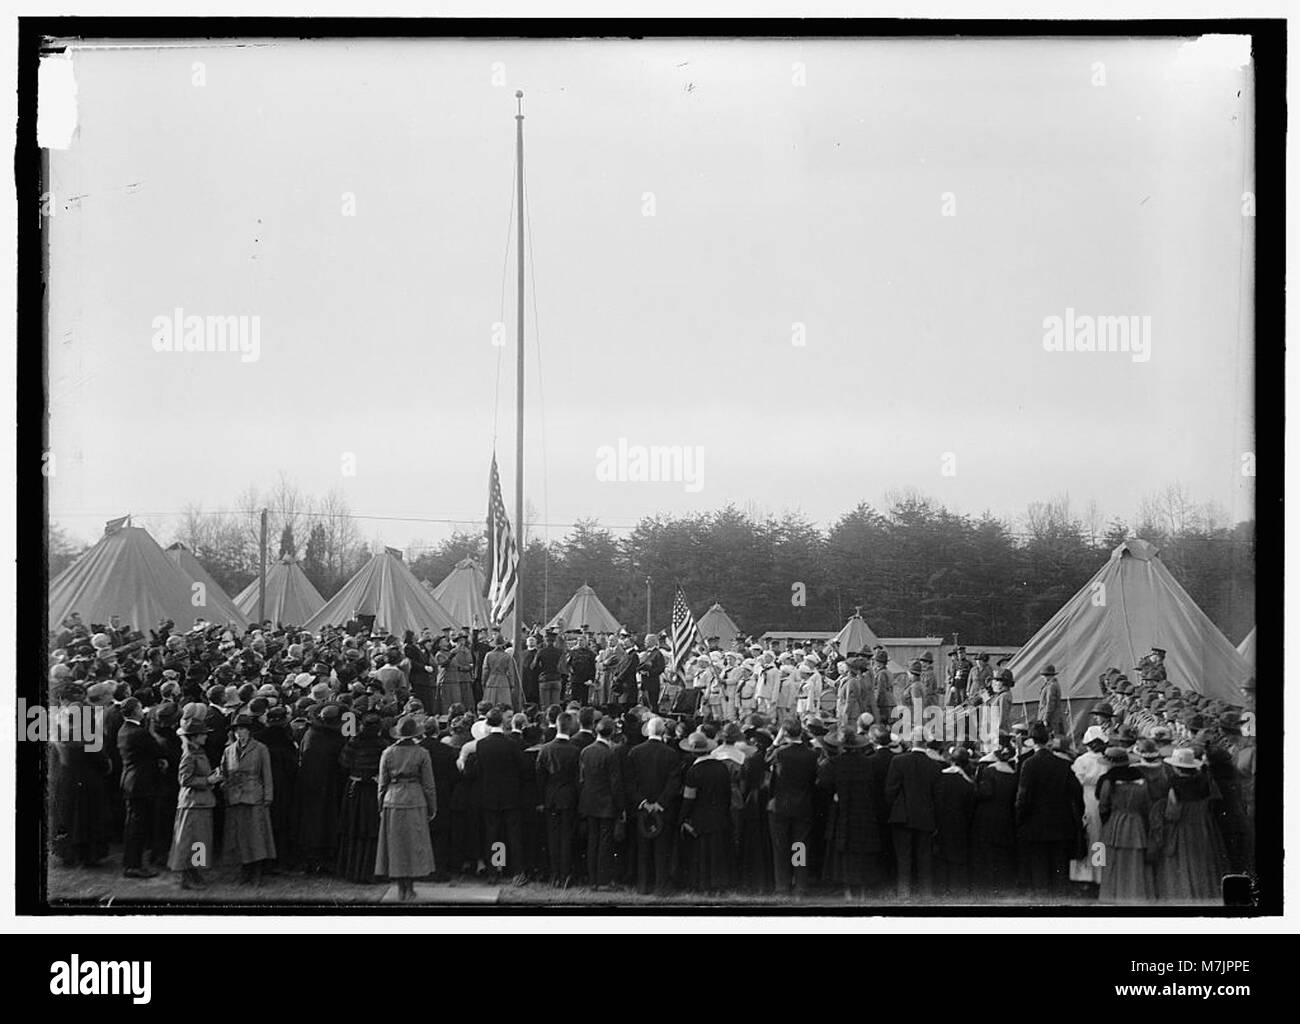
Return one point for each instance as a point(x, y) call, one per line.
point(775, 204)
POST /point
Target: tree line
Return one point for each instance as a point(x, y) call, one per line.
point(915, 567)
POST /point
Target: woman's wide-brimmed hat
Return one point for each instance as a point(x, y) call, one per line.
point(408, 727)
point(697, 743)
point(1184, 757)
point(1117, 755)
point(194, 720)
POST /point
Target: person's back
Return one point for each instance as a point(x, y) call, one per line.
point(557, 773)
point(500, 766)
point(600, 791)
point(794, 776)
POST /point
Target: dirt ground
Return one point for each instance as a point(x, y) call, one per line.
point(104, 887)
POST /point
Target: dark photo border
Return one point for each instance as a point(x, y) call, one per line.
point(38, 35)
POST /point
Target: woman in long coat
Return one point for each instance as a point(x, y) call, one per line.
point(250, 789)
point(319, 788)
point(359, 825)
point(1124, 804)
point(191, 848)
point(501, 677)
point(1193, 858)
point(408, 802)
point(993, 833)
point(277, 737)
point(853, 854)
point(706, 815)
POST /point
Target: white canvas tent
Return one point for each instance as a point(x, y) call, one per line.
point(291, 599)
point(1247, 648)
point(716, 622)
point(219, 606)
point(461, 594)
point(585, 610)
point(387, 589)
point(1132, 604)
point(127, 574)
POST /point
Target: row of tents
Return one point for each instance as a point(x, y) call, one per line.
point(1132, 604)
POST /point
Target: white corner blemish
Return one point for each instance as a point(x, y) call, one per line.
point(1216, 51)
point(56, 101)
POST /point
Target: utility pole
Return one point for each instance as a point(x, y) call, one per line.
point(647, 606)
point(261, 576)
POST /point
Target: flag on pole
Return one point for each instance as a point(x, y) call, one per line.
point(685, 632)
point(502, 551)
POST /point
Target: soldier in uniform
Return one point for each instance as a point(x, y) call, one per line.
point(1051, 709)
point(883, 685)
point(958, 674)
point(1152, 667)
point(928, 680)
point(981, 675)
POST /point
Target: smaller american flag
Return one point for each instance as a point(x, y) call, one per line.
point(685, 632)
point(502, 551)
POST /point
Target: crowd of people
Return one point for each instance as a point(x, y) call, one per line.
point(767, 768)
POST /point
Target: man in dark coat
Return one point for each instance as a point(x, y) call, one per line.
point(446, 776)
point(582, 670)
point(954, 812)
point(600, 801)
point(557, 781)
point(651, 671)
point(623, 691)
point(142, 761)
point(882, 757)
point(1049, 812)
point(910, 790)
point(112, 726)
point(501, 769)
point(794, 777)
point(655, 781)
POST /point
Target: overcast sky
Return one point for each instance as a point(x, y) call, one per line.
point(793, 183)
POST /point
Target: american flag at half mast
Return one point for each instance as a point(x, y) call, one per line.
point(685, 632)
point(502, 551)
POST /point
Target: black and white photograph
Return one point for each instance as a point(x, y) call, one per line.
point(747, 470)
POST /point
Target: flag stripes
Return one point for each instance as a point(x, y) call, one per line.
point(685, 632)
point(502, 551)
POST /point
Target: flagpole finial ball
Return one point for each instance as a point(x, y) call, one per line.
point(519, 94)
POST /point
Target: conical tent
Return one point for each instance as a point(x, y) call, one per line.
point(126, 574)
point(716, 622)
point(219, 606)
point(585, 610)
point(385, 588)
point(1132, 604)
point(856, 636)
point(1247, 648)
point(290, 597)
point(461, 594)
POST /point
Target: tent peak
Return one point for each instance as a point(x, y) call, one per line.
point(1142, 550)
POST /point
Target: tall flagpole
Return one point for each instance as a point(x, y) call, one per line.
point(519, 393)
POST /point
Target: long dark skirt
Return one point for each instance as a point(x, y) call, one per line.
point(995, 869)
point(709, 865)
point(756, 871)
point(81, 825)
point(359, 832)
